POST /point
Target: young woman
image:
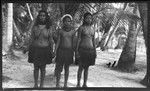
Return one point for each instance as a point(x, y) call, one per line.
point(86, 49)
point(41, 46)
point(64, 49)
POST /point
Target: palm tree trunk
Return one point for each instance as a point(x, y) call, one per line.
point(29, 11)
point(3, 23)
point(127, 59)
point(4, 26)
point(144, 18)
point(9, 36)
point(128, 55)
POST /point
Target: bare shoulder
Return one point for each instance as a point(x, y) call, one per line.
point(80, 28)
point(59, 31)
point(50, 31)
point(34, 28)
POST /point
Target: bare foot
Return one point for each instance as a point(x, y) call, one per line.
point(65, 86)
point(41, 86)
point(78, 85)
point(35, 86)
point(58, 86)
point(84, 85)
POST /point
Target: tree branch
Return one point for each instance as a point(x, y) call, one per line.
point(29, 11)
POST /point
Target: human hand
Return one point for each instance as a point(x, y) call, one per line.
point(25, 51)
point(77, 54)
point(95, 54)
point(52, 54)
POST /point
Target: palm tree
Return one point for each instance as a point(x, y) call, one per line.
point(127, 58)
point(143, 13)
point(9, 35)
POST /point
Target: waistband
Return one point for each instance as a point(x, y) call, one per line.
point(40, 47)
point(64, 48)
point(83, 48)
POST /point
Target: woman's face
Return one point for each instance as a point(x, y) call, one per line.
point(42, 17)
point(67, 22)
point(88, 19)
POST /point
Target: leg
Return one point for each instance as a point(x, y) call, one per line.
point(79, 75)
point(85, 76)
point(36, 74)
point(58, 74)
point(55, 72)
point(66, 67)
point(42, 68)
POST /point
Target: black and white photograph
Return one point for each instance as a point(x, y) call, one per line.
point(75, 45)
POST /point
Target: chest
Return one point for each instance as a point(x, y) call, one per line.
point(65, 34)
point(41, 32)
point(88, 31)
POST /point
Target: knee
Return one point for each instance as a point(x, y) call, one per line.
point(66, 67)
point(36, 68)
point(58, 70)
point(86, 68)
point(80, 68)
point(42, 68)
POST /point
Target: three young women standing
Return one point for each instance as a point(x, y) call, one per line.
point(41, 48)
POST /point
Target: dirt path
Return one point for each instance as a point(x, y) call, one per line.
point(19, 73)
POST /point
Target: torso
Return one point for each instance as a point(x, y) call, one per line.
point(66, 39)
point(87, 36)
point(41, 36)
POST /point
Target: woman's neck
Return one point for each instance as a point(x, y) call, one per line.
point(41, 26)
point(67, 29)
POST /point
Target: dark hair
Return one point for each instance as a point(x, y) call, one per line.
point(65, 18)
point(85, 15)
point(47, 19)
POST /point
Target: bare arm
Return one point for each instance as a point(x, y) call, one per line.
point(94, 43)
point(93, 39)
point(74, 31)
point(31, 31)
point(57, 43)
point(32, 25)
point(31, 38)
point(79, 38)
point(51, 41)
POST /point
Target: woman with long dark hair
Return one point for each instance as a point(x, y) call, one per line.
point(41, 46)
point(86, 49)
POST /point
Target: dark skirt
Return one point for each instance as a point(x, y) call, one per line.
point(64, 56)
point(39, 55)
point(87, 56)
